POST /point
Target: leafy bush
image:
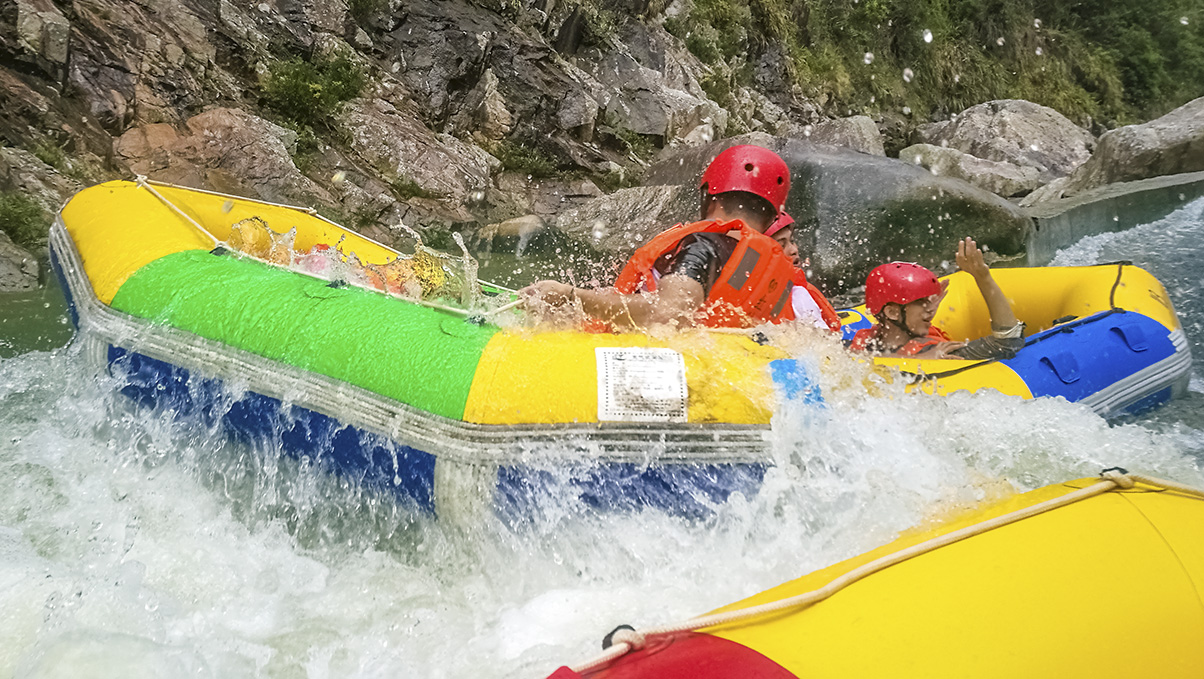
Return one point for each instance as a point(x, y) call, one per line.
point(518, 157)
point(309, 93)
point(25, 222)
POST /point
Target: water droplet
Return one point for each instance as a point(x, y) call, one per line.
point(1000, 41)
point(1036, 23)
point(1038, 51)
point(908, 75)
point(927, 35)
point(868, 58)
point(1116, 218)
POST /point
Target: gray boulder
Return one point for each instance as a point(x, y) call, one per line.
point(22, 172)
point(43, 30)
point(223, 149)
point(1172, 144)
point(1018, 132)
point(858, 133)
point(854, 211)
point(618, 223)
point(1001, 179)
point(436, 171)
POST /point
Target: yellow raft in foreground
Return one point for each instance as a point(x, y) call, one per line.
point(1092, 578)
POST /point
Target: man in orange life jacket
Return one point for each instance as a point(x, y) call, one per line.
point(904, 297)
point(720, 272)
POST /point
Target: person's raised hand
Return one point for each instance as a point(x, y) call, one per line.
point(970, 259)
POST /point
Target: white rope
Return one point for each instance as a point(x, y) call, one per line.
point(626, 640)
point(145, 183)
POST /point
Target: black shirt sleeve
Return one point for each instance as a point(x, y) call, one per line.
point(699, 256)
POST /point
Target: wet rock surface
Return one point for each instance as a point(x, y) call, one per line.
point(1018, 132)
point(18, 267)
point(476, 112)
point(1001, 179)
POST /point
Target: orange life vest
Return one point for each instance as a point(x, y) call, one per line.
point(831, 318)
point(862, 338)
point(753, 287)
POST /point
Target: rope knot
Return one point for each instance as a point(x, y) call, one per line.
point(624, 634)
point(1118, 476)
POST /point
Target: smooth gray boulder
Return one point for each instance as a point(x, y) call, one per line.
point(853, 211)
point(1021, 133)
point(855, 132)
point(1172, 144)
point(1001, 179)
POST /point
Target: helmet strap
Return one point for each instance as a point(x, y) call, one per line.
point(902, 322)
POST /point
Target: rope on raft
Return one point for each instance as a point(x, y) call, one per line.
point(626, 640)
point(144, 182)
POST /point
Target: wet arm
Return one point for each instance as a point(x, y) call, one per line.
point(675, 302)
point(970, 260)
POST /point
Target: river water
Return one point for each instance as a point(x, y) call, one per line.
point(134, 545)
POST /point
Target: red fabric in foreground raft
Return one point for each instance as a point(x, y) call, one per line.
point(686, 656)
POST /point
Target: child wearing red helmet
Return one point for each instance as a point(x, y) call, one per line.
point(810, 305)
point(721, 271)
point(904, 297)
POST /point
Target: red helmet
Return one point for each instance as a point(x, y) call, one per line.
point(784, 221)
point(748, 168)
point(898, 282)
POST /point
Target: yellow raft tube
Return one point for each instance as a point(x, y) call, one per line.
point(1093, 578)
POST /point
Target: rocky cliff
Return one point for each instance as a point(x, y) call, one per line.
point(484, 116)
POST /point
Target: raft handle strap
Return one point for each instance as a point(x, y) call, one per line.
point(626, 640)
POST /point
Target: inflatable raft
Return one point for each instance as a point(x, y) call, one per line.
point(1106, 336)
point(1093, 578)
point(457, 414)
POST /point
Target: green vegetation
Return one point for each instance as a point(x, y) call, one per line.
point(305, 95)
point(519, 157)
point(25, 222)
point(309, 93)
point(405, 188)
point(50, 153)
point(1107, 60)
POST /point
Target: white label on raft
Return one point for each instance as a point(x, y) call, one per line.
point(641, 385)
